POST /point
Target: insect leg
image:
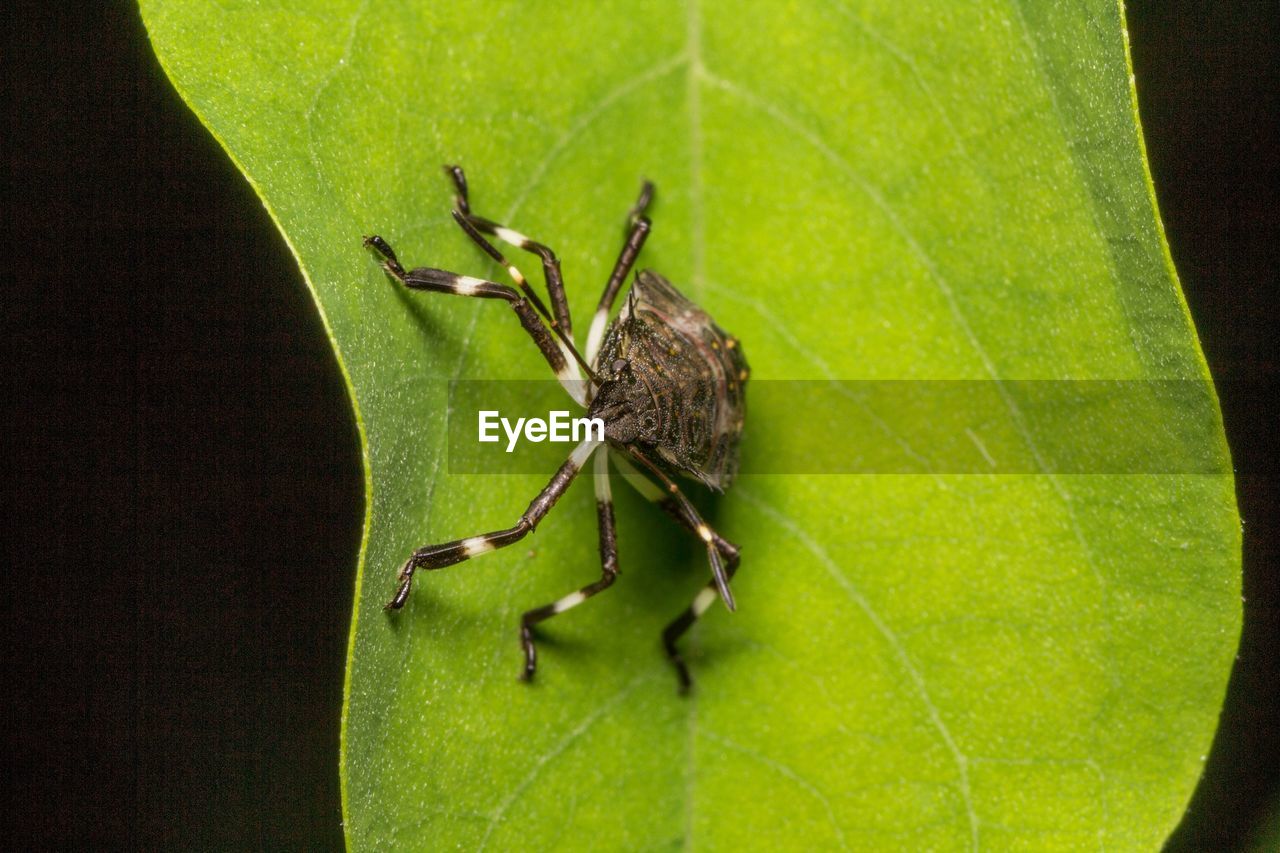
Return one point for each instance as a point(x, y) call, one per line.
point(550, 263)
point(608, 567)
point(443, 281)
point(676, 629)
point(688, 515)
point(651, 492)
point(565, 340)
point(451, 553)
point(708, 594)
point(638, 226)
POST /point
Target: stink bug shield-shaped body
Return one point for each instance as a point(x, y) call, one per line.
point(678, 383)
point(668, 383)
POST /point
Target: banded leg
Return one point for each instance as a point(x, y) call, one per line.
point(565, 342)
point(681, 624)
point(452, 553)
point(608, 567)
point(652, 493)
point(707, 595)
point(443, 281)
point(684, 511)
point(550, 263)
point(638, 226)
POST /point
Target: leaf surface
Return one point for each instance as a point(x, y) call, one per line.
point(858, 191)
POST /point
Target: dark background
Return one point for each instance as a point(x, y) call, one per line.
point(183, 496)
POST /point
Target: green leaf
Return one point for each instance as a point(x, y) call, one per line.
point(858, 191)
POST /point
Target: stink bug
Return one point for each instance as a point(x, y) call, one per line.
point(668, 383)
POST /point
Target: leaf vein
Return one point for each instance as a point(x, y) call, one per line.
point(913, 66)
point(308, 116)
point(586, 119)
point(891, 639)
point(556, 751)
point(788, 773)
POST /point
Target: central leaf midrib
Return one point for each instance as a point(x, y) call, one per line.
point(693, 95)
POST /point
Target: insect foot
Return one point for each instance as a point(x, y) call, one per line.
point(402, 591)
point(530, 652)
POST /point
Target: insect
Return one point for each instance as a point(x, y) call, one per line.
point(668, 383)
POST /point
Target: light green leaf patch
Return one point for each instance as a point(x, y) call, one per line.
point(858, 191)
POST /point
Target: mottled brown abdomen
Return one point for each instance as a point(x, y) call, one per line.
point(676, 382)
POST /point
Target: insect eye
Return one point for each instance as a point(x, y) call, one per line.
point(619, 365)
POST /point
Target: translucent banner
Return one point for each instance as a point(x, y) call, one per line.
point(884, 427)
